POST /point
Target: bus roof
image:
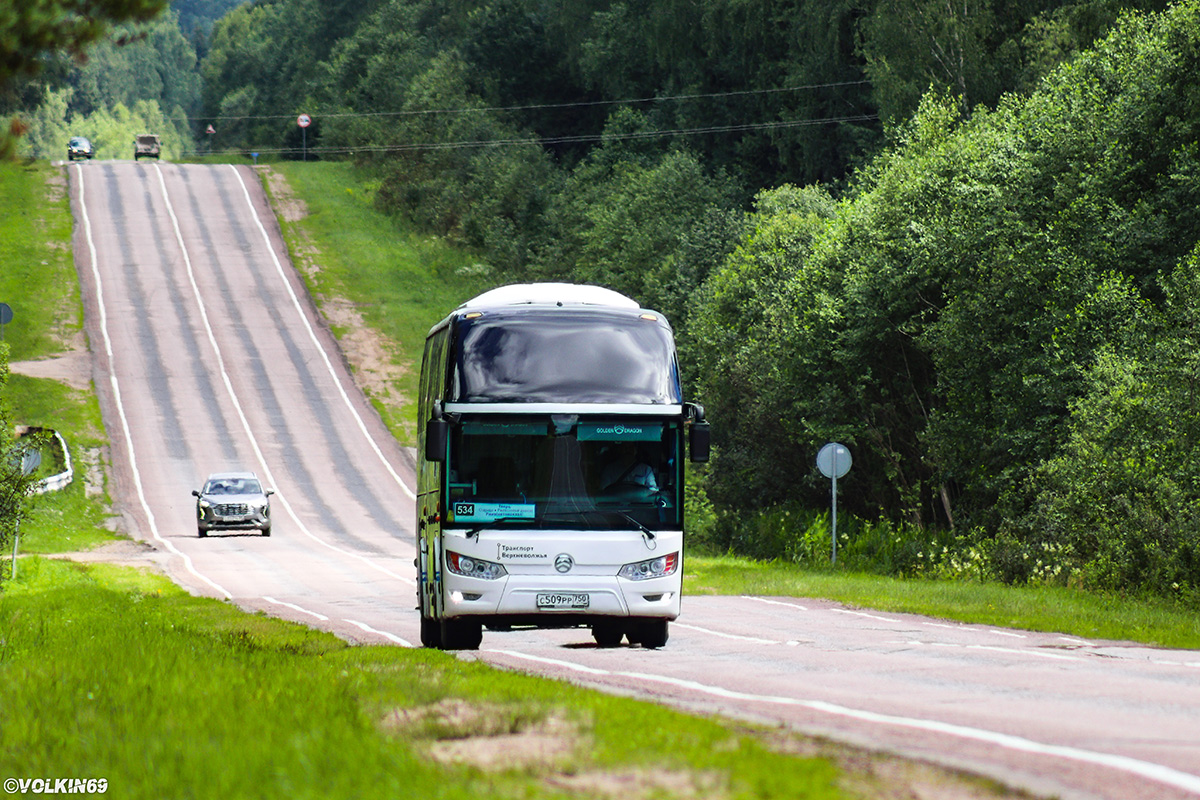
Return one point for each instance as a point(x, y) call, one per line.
point(550, 294)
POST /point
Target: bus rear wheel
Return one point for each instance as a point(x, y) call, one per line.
point(461, 634)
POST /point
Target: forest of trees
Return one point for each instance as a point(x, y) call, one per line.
point(961, 238)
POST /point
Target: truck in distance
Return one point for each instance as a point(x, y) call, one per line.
point(146, 145)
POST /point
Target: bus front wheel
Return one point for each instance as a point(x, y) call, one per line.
point(431, 632)
point(649, 633)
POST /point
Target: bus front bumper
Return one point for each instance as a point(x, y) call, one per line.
point(545, 598)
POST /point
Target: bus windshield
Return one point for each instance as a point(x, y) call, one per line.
point(560, 472)
point(581, 356)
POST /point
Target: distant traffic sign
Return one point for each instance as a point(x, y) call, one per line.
point(304, 120)
point(834, 461)
point(6, 316)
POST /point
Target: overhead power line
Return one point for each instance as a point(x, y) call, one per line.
point(582, 138)
point(542, 106)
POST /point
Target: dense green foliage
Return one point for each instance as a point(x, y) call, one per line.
point(998, 321)
point(33, 35)
point(147, 84)
point(961, 309)
point(39, 42)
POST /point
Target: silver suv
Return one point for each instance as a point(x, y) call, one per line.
point(233, 501)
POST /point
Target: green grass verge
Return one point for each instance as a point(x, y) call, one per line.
point(1035, 608)
point(37, 273)
point(400, 283)
point(38, 279)
point(117, 674)
point(76, 517)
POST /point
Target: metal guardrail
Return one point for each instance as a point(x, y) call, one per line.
point(51, 484)
point(62, 479)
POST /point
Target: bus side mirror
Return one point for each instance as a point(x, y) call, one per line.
point(437, 434)
point(698, 441)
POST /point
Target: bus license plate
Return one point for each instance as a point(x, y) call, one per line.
point(562, 600)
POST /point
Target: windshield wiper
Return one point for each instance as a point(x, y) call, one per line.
point(647, 534)
point(474, 531)
point(607, 512)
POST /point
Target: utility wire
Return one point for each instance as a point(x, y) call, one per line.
point(542, 106)
point(368, 148)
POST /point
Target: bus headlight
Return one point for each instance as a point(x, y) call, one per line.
point(474, 567)
point(654, 568)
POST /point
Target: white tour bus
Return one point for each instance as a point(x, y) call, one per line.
point(551, 445)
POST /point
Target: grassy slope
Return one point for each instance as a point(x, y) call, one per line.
point(400, 283)
point(37, 278)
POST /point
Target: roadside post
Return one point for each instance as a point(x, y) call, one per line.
point(834, 461)
point(304, 120)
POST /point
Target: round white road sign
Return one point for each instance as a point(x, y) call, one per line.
point(834, 460)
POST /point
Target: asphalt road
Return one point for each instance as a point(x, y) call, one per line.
point(208, 355)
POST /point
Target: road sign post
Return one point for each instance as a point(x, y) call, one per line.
point(834, 461)
point(304, 120)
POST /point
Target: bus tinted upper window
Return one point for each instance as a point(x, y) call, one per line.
point(581, 356)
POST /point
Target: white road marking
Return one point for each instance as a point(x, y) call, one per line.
point(1006, 633)
point(796, 606)
point(1014, 651)
point(721, 635)
point(295, 607)
point(864, 614)
point(316, 342)
point(1156, 772)
point(393, 637)
point(555, 662)
point(994, 649)
point(120, 403)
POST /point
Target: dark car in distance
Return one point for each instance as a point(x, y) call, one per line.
point(233, 501)
point(79, 147)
